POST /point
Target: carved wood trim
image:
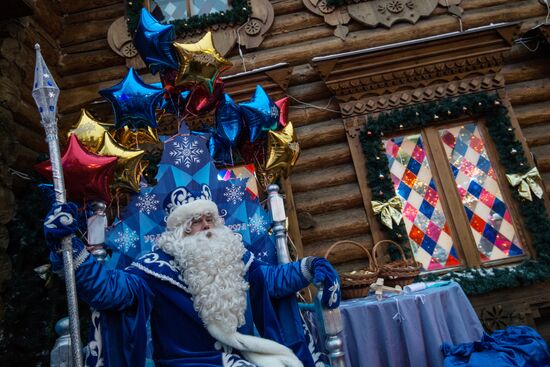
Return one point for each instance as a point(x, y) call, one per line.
point(375, 12)
point(250, 35)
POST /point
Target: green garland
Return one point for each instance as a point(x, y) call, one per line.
point(238, 14)
point(512, 158)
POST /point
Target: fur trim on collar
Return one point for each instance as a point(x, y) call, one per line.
point(183, 213)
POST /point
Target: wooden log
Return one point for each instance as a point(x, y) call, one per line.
point(286, 6)
point(546, 182)
point(297, 52)
point(329, 199)
point(301, 115)
point(26, 157)
point(106, 12)
point(114, 74)
point(532, 114)
point(99, 44)
point(85, 32)
point(542, 157)
point(88, 61)
point(525, 70)
point(27, 115)
point(293, 224)
point(537, 135)
point(310, 92)
point(33, 139)
point(293, 22)
point(302, 74)
point(333, 224)
point(531, 91)
point(343, 253)
point(75, 6)
point(325, 156)
point(48, 15)
point(477, 4)
point(321, 133)
point(323, 177)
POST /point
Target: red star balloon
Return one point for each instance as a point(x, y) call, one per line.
point(283, 111)
point(87, 175)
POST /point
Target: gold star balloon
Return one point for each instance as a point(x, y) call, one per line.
point(199, 63)
point(134, 139)
point(128, 168)
point(282, 150)
point(88, 131)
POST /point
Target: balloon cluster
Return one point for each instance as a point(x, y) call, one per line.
point(256, 131)
point(98, 162)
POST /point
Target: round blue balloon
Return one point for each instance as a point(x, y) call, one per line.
point(153, 41)
point(229, 122)
point(134, 101)
point(260, 114)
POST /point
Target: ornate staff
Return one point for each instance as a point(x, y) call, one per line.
point(45, 93)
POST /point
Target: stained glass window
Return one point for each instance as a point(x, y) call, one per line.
point(423, 215)
point(169, 10)
point(490, 220)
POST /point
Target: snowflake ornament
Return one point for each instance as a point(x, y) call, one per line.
point(233, 194)
point(147, 203)
point(126, 240)
point(257, 224)
point(186, 152)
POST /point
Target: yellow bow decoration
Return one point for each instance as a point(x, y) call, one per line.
point(390, 210)
point(527, 183)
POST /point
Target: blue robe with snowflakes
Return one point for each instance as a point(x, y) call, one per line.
point(152, 288)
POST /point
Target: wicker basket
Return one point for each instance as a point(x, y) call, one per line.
point(356, 285)
point(400, 272)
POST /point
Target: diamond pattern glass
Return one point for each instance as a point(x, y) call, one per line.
point(475, 179)
point(425, 222)
point(177, 9)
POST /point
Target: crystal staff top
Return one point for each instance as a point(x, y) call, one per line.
point(45, 91)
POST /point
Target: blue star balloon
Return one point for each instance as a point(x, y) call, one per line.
point(153, 41)
point(261, 114)
point(219, 150)
point(228, 121)
point(134, 102)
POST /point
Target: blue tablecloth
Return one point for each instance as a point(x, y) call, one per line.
point(408, 329)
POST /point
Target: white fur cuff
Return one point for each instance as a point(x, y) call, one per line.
point(184, 212)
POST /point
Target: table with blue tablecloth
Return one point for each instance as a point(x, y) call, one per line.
point(407, 329)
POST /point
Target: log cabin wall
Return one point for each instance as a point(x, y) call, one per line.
point(324, 188)
point(22, 24)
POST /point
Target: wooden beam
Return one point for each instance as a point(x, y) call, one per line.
point(326, 132)
point(329, 199)
point(89, 61)
point(532, 114)
point(344, 253)
point(293, 225)
point(325, 156)
point(532, 91)
point(333, 224)
point(323, 177)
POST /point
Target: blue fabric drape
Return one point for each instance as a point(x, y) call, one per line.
point(514, 346)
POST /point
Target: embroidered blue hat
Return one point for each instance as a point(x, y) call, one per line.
point(182, 205)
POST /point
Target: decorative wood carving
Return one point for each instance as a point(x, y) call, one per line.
point(375, 12)
point(371, 81)
point(387, 12)
point(225, 36)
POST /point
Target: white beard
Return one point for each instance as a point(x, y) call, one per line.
point(213, 270)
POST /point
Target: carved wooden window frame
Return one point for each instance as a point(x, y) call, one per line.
point(453, 208)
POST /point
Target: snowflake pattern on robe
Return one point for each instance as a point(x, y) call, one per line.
point(186, 152)
point(257, 224)
point(233, 194)
point(127, 239)
point(147, 203)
